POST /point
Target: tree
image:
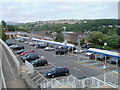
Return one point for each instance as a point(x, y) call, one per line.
point(2, 33)
point(59, 37)
point(96, 37)
point(3, 24)
point(113, 41)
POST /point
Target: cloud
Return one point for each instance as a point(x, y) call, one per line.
point(32, 11)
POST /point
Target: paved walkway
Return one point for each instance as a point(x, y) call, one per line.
point(12, 78)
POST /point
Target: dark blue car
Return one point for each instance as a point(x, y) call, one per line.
point(58, 71)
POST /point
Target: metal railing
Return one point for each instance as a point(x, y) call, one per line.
point(45, 83)
point(29, 66)
point(110, 78)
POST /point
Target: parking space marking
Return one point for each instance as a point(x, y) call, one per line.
point(43, 67)
point(85, 61)
point(102, 67)
point(92, 64)
point(77, 69)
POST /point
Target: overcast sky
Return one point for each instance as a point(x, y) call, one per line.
point(24, 11)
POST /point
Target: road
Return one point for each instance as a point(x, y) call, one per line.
point(12, 78)
point(77, 70)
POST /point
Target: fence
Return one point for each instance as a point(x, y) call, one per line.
point(30, 66)
point(45, 83)
point(110, 78)
point(82, 83)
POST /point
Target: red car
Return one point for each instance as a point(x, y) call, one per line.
point(29, 51)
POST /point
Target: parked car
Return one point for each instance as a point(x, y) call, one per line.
point(21, 51)
point(11, 46)
point(18, 47)
point(30, 57)
point(79, 51)
point(32, 44)
point(39, 62)
point(102, 57)
point(10, 43)
point(114, 61)
point(49, 49)
point(58, 71)
point(70, 49)
point(92, 56)
point(61, 51)
point(88, 46)
point(26, 42)
point(28, 51)
point(40, 46)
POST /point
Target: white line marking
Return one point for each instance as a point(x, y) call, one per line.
point(77, 69)
point(9, 65)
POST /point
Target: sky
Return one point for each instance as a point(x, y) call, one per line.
point(36, 10)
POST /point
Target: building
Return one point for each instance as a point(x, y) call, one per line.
point(73, 36)
point(15, 34)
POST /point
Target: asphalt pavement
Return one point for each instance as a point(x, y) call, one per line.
point(77, 70)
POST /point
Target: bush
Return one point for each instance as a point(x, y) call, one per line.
point(105, 47)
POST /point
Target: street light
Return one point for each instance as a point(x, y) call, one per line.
point(79, 37)
point(64, 35)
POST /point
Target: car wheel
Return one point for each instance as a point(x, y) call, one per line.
point(34, 65)
point(52, 76)
point(66, 74)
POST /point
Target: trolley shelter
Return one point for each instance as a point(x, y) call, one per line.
point(105, 52)
point(53, 42)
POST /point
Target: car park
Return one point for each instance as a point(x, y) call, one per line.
point(58, 71)
point(21, 51)
point(30, 57)
point(18, 47)
point(39, 62)
point(49, 49)
point(28, 51)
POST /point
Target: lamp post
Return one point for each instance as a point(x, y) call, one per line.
point(79, 37)
point(64, 33)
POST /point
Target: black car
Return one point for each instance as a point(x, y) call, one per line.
point(102, 58)
point(10, 43)
point(40, 46)
point(18, 47)
point(21, 51)
point(115, 61)
point(88, 46)
point(60, 51)
point(58, 71)
point(33, 44)
point(39, 62)
point(70, 49)
point(30, 57)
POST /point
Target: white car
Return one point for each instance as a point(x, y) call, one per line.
point(26, 42)
point(12, 46)
point(80, 51)
point(49, 49)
